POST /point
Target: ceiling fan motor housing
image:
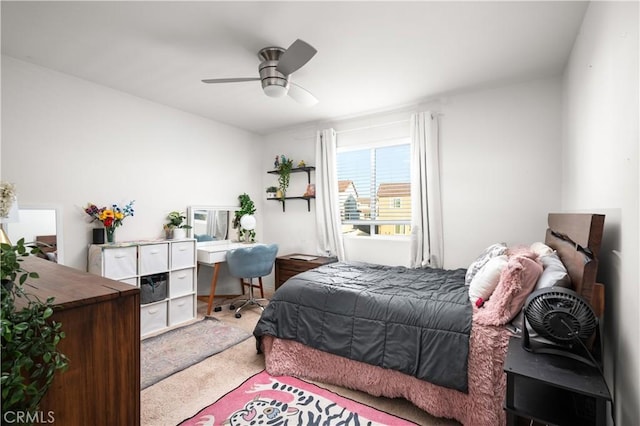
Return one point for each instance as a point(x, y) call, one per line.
point(274, 83)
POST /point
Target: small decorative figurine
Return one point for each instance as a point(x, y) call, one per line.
point(302, 164)
point(276, 163)
point(311, 190)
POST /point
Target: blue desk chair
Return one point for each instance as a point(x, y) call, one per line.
point(248, 263)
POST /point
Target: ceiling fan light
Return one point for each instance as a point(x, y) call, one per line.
point(275, 91)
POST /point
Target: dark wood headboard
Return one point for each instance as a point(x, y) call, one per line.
point(47, 243)
point(577, 238)
point(585, 229)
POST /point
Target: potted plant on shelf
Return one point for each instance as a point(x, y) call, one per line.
point(247, 207)
point(272, 191)
point(176, 228)
point(30, 358)
point(284, 173)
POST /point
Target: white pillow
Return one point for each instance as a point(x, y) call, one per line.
point(492, 251)
point(554, 272)
point(486, 280)
point(541, 249)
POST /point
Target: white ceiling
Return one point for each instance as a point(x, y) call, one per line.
point(372, 56)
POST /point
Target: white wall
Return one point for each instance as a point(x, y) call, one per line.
point(500, 151)
point(67, 142)
point(600, 173)
point(500, 167)
point(294, 229)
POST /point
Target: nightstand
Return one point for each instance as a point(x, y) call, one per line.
point(292, 264)
point(553, 389)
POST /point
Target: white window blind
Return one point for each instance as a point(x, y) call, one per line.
point(375, 188)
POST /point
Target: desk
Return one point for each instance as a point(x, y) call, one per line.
point(213, 253)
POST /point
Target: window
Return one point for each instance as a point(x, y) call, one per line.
point(375, 188)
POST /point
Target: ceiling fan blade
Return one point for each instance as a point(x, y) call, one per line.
point(230, 80)
point(301, 95)
point(298, 54)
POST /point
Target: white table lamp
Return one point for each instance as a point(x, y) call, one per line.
point(248, 222)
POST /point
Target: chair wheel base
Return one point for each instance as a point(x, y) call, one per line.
point(238, 315)
point(217, 309)
point(232, 307)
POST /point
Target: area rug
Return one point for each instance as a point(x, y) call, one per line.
point(173, 351)
point(264, 399)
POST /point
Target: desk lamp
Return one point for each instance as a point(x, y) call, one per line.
point(248, 223)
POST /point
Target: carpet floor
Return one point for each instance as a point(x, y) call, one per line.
point(185, 393)
point(177, 349)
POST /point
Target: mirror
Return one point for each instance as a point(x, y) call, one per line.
point(210, 224)
point(39, 225)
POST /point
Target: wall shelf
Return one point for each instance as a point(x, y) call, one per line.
point(282, 200)
point(305, 169)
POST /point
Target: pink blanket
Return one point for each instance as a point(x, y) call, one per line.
point(481, 406)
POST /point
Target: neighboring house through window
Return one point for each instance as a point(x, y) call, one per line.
point(375, 189)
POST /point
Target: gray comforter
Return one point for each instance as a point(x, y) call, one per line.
point(416, 321)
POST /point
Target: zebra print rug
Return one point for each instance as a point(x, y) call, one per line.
point(264, 399)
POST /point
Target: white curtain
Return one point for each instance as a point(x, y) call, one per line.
point(217, 221)
point(327, 202)
point(427, 246)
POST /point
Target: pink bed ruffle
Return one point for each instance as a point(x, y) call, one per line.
point(482, 406)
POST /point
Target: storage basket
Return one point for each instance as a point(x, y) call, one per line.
point(153, 288)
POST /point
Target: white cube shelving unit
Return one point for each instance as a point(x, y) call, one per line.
point(131, 262)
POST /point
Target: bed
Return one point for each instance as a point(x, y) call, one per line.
point(304, 345)
point(48, 245)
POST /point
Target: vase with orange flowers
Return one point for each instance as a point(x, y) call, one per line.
point(111, 217)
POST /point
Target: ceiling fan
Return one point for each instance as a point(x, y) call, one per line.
point(276, 67)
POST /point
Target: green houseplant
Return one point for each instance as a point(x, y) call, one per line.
point(30, 357)
point(271, 191)
point(246, 207)
point(176, 221)
point(284, 173)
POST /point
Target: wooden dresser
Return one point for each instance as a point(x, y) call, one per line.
point(288, 266)
point(101, 320)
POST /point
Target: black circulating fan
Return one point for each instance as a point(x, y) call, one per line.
point(563, 318)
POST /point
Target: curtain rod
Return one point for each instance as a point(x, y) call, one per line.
point(390, 123)
point(372, 126)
